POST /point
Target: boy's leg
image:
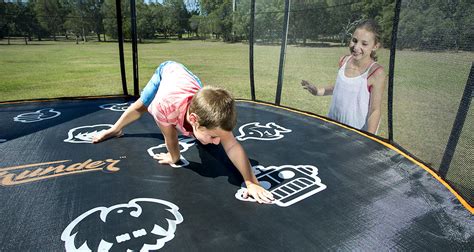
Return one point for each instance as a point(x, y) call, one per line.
point(193, 75)
point(149, 92)
point(130, 115)
point(135, 111)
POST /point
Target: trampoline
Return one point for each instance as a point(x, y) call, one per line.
point(336, 188)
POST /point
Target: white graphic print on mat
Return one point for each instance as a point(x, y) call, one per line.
point(39, 115)
point(269, 131)
point(289, 184)
point(142, 224)
point(84, 134)
point(184, 144)
point(119, 107)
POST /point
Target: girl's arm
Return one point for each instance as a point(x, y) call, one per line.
point(377, 82)
point(318, 91)
point(321, 91)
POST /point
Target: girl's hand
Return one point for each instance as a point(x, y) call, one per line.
point(258, 193)
point(310, 87)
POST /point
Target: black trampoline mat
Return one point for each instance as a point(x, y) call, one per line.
point(336, 189)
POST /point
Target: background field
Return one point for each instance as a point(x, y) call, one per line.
point(428, 85)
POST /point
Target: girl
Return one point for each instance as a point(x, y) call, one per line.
point(360, 82)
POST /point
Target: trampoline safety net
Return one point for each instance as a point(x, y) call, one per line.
point(433, 58)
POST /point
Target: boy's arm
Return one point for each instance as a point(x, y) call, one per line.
point(239, 158)
point(172, 144)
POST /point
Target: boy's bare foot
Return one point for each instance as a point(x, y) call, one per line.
point(106, 135)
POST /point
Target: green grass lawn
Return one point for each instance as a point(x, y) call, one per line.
point(428, 85)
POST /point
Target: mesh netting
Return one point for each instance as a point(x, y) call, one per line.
point(433, 60)
point(267, 36)
point(60, 48)
point(460, 173)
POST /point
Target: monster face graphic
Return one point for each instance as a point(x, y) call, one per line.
point(270, 131)
point(142, 224)
point(40, 115)
point(84, 134)
point(119, 107)
point(288, 183)
point(184, 144)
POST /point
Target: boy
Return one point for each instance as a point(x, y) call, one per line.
point(177, 101)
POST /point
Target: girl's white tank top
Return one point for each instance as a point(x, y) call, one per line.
point(351, 99)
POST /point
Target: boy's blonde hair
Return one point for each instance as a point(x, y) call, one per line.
point(215, 108)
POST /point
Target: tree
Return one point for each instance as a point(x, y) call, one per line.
point(209, 6)
point(110, 18)
point(241, 20)
point(308, 20)
point(149, 18)
point(78, 19)
point(97, 17)
point(3, 19)
point(269, 16)
point(194, 21)
point(51, 15)
point(26, 22)
point(176, 18)
point(436, 25)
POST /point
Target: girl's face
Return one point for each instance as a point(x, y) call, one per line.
point(362, 44)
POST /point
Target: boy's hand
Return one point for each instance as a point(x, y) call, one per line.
point(164, 158)
point(106, 135)
point(258, 193)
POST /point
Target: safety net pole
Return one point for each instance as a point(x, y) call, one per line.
point(118, 9)
point(458, 124)
point(133, 14)
point(284, 39)
point(393, 48)
point(251, 41)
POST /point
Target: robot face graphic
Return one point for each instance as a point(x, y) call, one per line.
point(269, 131)
point(84, 134)
point(289, 184)
point(119, 107)
point(142, 224)
point(37, 116)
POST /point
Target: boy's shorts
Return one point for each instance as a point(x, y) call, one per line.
point(149, 92)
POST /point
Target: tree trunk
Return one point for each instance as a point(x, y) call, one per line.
point(84, 35)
